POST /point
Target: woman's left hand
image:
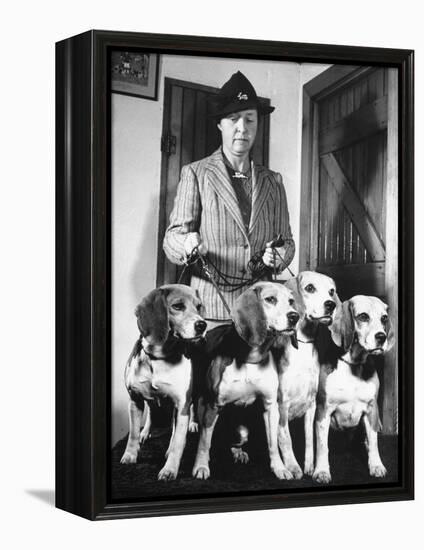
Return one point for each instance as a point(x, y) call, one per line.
point(268, 256)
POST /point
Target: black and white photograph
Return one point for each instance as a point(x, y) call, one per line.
point(254, 277)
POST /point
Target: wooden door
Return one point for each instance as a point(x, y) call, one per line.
point(189, 134)
point(349, 190)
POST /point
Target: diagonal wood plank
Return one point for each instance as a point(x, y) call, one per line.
point(355, 208)
point(368, 120)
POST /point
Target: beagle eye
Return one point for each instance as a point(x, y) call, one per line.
point(364, 317)
point(331, 292)
point(384, 319)
point(271, 300)
point(291, 302)
point(179, 306)
point(199, 307)
point(310, 288)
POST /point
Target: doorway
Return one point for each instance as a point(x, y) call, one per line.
point(349, 193)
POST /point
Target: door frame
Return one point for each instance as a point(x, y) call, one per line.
point(163, 221)
point(319, 87)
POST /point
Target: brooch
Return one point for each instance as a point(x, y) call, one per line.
point(240, 175)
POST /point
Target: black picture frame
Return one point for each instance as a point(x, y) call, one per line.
point(83, 220)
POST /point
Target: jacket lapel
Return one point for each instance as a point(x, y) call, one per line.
point(260, 191)
point(218, 178)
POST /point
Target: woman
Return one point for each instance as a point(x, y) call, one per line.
point(227, 206)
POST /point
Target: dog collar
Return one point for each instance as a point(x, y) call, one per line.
point(351, 364)
point(154, 357)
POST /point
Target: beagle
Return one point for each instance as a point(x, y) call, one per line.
point(241, 368)
point(299, 366)
point(169, 321)
point(348, 394)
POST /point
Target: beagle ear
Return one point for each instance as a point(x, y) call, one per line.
point(249, 317)
point(343, 328)
point(293, 285)
point(152, 317)
point(293, 339)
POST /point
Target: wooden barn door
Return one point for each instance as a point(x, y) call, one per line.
point(189, 134)
point(349, 185)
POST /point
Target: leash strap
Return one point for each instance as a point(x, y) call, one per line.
point(191, 260)
point(211, 279)
point(180, 278)
point(195, 257)
point(285, 265)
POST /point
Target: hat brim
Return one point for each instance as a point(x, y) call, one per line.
point(221, 112)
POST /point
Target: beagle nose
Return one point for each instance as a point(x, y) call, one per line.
point(293, 317)
point(380, 338)
point(329, 306)
point(200, 327)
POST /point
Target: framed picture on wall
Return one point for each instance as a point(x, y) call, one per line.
point(134, 73)
point(234, 275)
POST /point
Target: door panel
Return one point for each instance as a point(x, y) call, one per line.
point(189, 134)
point(351, 216)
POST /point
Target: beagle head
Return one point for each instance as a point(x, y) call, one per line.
point(363, 321)
point(263, 309)
point(170, 309)
point(315, 295)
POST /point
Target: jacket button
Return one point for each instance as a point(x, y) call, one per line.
point(246, 246)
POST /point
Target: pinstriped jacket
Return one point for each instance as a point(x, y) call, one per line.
point(206, 204)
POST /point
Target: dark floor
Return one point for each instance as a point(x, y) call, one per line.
point(348, 464)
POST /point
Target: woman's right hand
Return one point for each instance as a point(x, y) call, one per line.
point(192, 241)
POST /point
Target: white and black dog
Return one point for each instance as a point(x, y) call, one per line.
point(348, 393)
point(169, 318)
point(299, 365)
point(241, 367)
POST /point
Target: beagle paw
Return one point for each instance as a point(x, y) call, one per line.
point(322, 476)
point(129, 458)
point(377, 470)
point(167, 473)
point(295, 470)
point(239, 456)
point(281, 472)
point(201, 472)
point(193, 427)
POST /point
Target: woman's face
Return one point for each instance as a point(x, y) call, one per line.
point(238, 131)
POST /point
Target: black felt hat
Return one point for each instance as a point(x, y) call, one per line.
point(237, 94)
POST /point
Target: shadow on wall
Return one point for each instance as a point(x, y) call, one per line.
point(141, 280)
point(143, 276)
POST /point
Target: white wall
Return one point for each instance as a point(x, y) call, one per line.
point(136, 157)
